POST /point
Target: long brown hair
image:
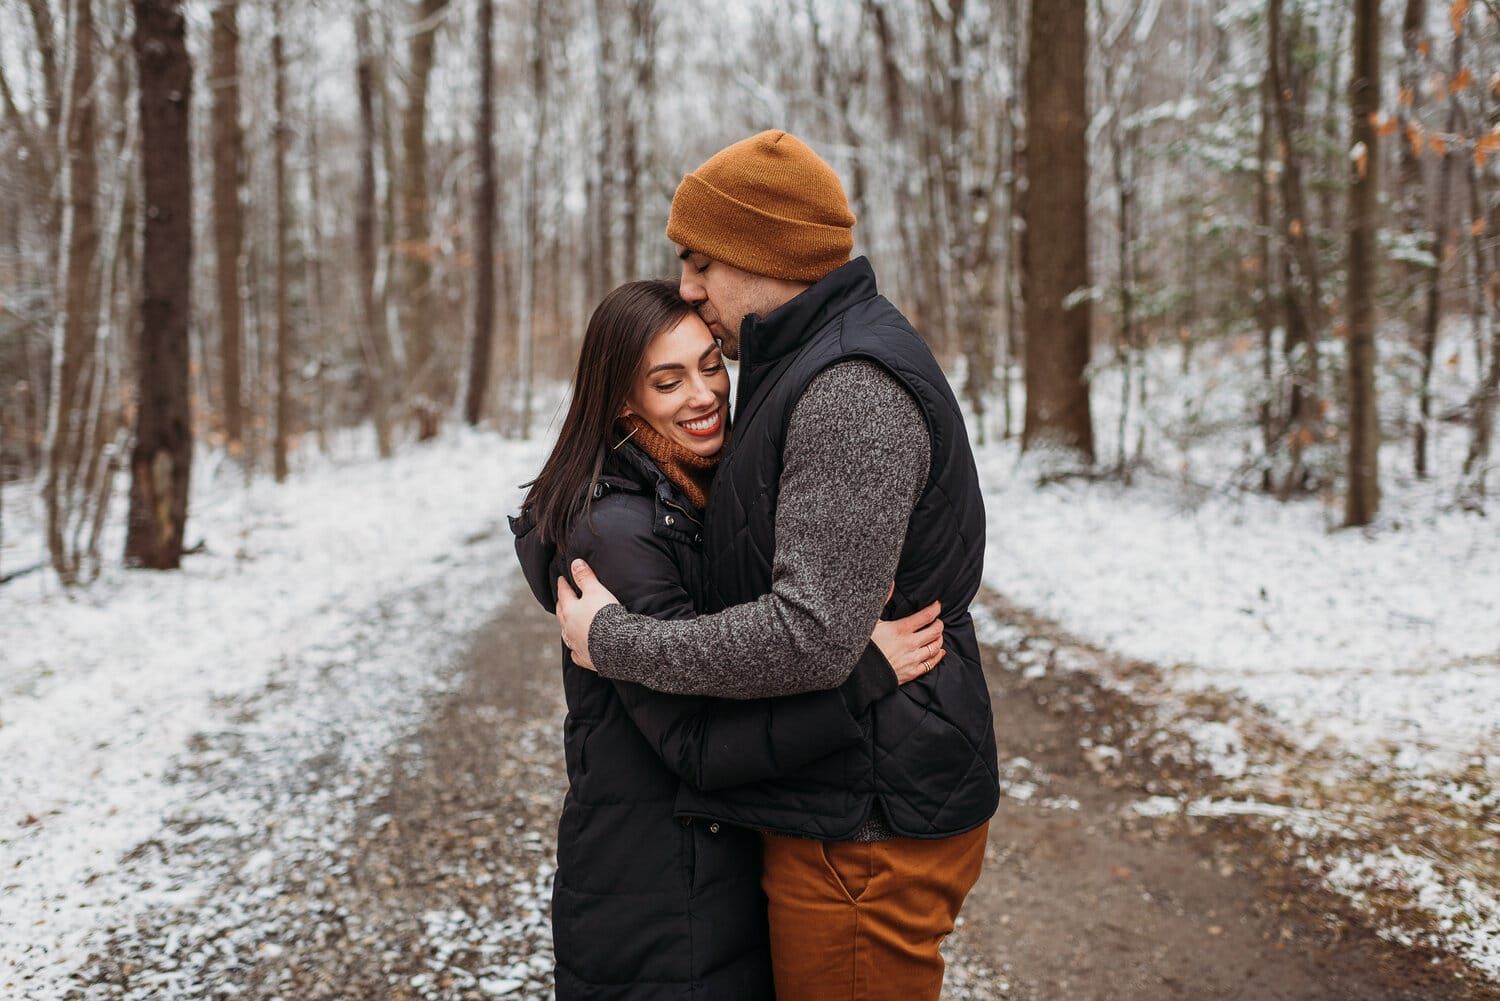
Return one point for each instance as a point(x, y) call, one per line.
point(622, 327)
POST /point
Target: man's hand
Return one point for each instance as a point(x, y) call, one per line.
point(576, 614)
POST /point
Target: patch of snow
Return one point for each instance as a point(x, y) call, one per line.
point(106, 693)
point(1465, 913)
point(1156, 806)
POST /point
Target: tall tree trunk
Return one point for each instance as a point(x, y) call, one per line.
point(1485, 278)
point(1057, 308)
point(372, 332)
point(1266, 308)
point(1300, 264)
point(484, 222)
point(603, 274)
point(1362, 500)
point(1433, 315)
point(636, 131)
point(161, 462)
point(894, 99)
point(531, 198)
point(1411, 188)
point(427, 372)
point(73, 339)
point(282, 131)
point(229, 226)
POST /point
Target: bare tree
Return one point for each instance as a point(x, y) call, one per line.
point(161, 461)
point(229, 226)
point(1056, 267)
point(1441, 235)
point(281, 131)
point(484, 222)
point(1302, 283)
point(73, 347)
point(374, 350)
point(427, 373)
point(531, 201)
point(1362, 500)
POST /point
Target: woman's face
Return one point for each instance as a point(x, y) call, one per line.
point(683, 390)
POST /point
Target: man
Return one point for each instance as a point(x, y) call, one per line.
point(849, 467)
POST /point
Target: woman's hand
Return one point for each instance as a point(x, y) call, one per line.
point(913, 645)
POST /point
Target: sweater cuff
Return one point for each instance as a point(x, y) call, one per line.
point(609, 644)
point(872, 680)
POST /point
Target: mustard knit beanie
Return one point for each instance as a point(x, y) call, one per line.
point(768, 205)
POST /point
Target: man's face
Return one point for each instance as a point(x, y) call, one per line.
point(722, 294)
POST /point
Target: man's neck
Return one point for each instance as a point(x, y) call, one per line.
point(779, 292)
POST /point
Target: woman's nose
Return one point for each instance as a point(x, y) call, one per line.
point(702, 393)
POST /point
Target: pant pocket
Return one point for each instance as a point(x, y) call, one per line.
point(850, 865)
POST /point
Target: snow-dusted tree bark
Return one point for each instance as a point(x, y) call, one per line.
point(1302, 283)
point(1056, 288)
point(281, 131)
point(161, 462)
point(484, 222)
point(1441, 234)
point(374, 351)
point(1266, 307)
point(531, 200)
point(76, 313)
point(229, 226)
point(1362, 499)
point(428, 374)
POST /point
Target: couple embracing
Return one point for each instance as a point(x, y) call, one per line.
point(779, 742)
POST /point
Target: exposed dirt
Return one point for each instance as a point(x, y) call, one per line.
point(438, 887)
point(1099, 902)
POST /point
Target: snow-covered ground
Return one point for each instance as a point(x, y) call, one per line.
point(1385, 640)
point(1378, 645)
point(1376, 652)
point(102, 692)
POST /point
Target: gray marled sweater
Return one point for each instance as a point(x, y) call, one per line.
point(855, 461)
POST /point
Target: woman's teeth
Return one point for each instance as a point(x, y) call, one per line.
point(704, 425)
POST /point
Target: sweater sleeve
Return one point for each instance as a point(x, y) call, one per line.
point(854, 464)
point(710, 743)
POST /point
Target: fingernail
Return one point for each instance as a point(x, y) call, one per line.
point(577, 565)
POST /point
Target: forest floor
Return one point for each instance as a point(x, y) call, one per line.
point(1245, 755)
point(434, 882)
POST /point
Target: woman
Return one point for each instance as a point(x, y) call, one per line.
point(646, 906)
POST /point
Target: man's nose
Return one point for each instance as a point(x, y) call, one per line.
point(689, 288)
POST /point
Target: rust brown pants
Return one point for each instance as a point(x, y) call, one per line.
point(854, 920)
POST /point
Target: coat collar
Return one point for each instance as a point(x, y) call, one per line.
point(628, 468)
point(766, 340)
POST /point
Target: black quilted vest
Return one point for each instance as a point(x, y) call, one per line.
point(930, 755)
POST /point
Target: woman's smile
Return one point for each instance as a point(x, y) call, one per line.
point(706, 426)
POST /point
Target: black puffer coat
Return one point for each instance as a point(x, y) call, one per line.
point(645, 906)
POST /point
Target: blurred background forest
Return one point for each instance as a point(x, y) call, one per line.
point(394, 213)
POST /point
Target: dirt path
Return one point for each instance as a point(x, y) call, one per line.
point(438, 886)
point(1085, 898)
